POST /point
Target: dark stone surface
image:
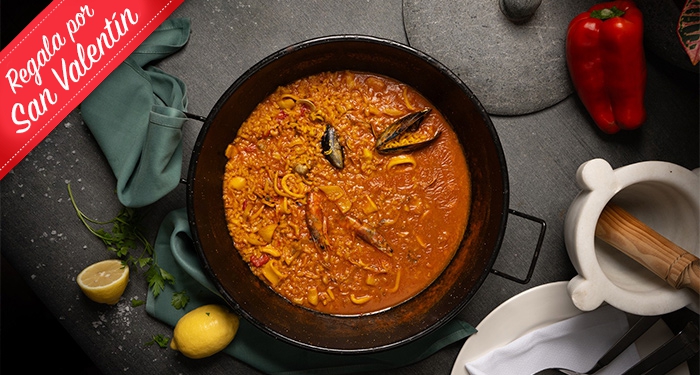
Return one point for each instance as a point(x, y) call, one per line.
point(46, 243)
point(513, 68)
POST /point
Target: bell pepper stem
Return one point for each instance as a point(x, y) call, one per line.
point(607, 13)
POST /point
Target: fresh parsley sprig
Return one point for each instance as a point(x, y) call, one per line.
point(157, 277)
point(159, 339)
point(126, 236)
point(180, 300)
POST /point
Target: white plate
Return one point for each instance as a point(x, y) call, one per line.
point(533, 309)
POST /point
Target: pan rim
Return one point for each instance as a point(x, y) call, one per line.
point(191, 179)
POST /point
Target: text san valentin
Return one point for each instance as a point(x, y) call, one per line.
point(70, 70)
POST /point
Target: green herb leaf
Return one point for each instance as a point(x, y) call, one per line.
point(125, 238)
point(157, 277)
point(125, 235)
point(180, 300)
point(144, 261)
point(159, 339)
point(135, 302)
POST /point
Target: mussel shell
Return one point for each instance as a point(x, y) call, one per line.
point(331, 147)
point(409, 123)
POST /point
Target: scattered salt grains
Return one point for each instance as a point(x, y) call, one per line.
point(118, 318)
point(124, 313)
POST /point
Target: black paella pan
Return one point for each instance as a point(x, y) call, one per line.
point(413, 319)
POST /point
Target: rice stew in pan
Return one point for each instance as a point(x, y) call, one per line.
point(346, 192)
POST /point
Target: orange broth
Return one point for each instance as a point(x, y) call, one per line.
point(416, 202)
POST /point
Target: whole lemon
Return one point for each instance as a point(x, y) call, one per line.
point(204, 331)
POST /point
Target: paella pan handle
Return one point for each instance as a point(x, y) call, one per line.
point(535, 255)
point(197, 118)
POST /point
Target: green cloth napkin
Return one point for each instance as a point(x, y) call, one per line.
point(136, 115)
point(175, 253)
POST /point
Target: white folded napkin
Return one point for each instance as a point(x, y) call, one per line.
point(576, 343)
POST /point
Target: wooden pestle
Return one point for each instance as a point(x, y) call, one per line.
point(667, 260)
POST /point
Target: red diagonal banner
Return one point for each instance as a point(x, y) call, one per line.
point(59, 58)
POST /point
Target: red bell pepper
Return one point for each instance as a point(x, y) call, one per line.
point(605, 57)
point(259, 261)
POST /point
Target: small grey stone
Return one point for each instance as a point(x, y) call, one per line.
point(519, 10)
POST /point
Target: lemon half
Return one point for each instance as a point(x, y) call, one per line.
point(104, 281)
point(204, 331)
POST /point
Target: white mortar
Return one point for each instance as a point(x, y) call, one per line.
point(664, 196)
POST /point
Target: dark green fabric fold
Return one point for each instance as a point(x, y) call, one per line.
point(136, 115)
point(176, 254)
